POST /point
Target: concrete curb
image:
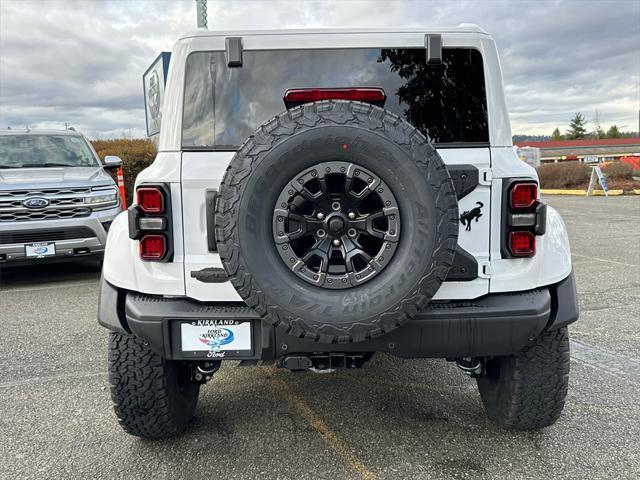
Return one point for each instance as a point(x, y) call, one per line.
point(583, 193)
point(554, 191)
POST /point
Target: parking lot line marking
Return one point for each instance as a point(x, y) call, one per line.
point(312, 418)
point(610, 362)
point(605, 260)
point(49, 378)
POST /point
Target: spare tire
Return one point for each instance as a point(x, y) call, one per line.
point(337, 221)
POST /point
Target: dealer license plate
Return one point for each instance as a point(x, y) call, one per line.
point(40, 250)
point(216, 336)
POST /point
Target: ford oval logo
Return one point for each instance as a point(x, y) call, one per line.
point(35, 202)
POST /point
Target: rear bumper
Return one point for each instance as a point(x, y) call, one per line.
point(497, 324)
point(88, 237)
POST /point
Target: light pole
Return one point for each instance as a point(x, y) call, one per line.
point(201, 13)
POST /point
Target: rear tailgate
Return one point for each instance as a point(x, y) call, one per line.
point(203, 172)
point(224, 104)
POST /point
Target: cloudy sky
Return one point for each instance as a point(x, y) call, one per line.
point(81, 61)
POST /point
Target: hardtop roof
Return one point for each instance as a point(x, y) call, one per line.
point(462, 28)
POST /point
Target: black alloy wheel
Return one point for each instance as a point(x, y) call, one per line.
point(336, 225)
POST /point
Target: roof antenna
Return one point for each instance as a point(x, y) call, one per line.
point(201, 13)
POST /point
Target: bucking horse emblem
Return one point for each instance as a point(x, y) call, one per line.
point(467, 217)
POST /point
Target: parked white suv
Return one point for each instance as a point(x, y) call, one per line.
point(322, 195)
point(56, 200)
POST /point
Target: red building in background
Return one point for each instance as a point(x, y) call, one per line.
point(606, 149)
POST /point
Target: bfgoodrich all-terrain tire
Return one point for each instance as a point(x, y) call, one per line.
point(527, 391)
point(333, 169)
point(152, 397)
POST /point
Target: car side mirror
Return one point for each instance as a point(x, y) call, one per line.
point(111, 161)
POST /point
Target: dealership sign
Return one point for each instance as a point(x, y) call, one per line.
point(154, 80)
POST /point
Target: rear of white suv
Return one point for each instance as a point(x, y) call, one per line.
point(322, 196)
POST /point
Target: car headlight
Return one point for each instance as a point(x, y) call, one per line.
point(109, 196)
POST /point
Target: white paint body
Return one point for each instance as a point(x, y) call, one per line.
point(189, 174)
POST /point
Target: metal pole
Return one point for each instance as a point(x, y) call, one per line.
point(201, 13)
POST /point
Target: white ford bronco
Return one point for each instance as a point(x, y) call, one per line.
point(322, 195)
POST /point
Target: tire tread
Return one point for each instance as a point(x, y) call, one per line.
point(335, 112)
point(534, 384)
point(141, 390)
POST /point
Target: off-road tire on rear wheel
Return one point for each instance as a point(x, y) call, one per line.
point(527, 391)
point(337, 136)
point(152, 397)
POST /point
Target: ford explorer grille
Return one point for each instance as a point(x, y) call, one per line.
point(45, 214)
point(61, 203)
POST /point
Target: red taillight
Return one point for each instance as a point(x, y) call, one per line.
point(153, 247)
point(298, 96)
point(150, 222)
point(522, 243)
point(524, 195)
point(150, 199)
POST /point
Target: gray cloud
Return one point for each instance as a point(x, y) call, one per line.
point(81, 61)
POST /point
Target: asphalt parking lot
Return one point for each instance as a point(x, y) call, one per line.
point(392, 419)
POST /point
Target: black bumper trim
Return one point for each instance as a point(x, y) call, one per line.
point(46, 235)
point(496, 324)
point(111, 308)
point(151, 317)
point(564, 301)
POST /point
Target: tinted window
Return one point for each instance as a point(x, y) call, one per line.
point(223, 106)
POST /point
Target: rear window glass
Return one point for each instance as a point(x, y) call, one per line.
point(223, 106)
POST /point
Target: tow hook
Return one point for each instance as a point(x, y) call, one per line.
point(203, 371)
point(472, 366)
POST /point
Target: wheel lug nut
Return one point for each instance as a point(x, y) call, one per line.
point(321, 233)
point(351, 215)
point(352, 232)
point(320, 216)
point(336, 242)
point(335, 205)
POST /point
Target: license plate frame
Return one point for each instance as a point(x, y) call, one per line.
point(215, 338)
point(40, 249)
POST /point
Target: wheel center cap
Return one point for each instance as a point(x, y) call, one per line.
point(336, 225)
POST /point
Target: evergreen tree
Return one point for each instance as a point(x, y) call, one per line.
point(556, 135)
point(577, 129)
point(613, 132)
